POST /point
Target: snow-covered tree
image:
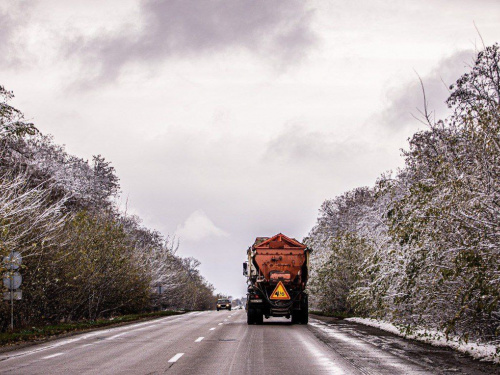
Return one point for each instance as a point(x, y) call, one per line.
point(425, 248)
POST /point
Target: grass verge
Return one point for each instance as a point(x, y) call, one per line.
point(44, 332)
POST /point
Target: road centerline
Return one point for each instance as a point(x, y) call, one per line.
point(175, 358)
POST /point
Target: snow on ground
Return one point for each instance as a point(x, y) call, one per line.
point(485, 352)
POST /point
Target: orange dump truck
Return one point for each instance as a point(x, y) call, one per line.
point(277, 271)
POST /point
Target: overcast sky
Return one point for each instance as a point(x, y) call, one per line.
point(228, 120)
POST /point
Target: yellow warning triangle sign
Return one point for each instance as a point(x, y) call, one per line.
point(280, 292)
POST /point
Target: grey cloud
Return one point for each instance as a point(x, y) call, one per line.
point(297, 144)
point(408, 100)
point(276, 30)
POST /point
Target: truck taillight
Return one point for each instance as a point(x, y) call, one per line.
point(256, 296)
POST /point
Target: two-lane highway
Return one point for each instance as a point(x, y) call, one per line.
point(222, 343)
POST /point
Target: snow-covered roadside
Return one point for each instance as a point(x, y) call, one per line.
point(485, 352)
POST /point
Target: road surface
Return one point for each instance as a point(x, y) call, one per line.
point(222, 343)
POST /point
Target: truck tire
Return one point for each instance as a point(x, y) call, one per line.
point(250, 316)
point(259, 318)
point(296, 317)
point(304, 311)
point(304, 316)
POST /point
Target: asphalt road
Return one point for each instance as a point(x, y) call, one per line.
point(222, 343)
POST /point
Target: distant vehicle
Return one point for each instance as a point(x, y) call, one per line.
point(223, 304)
point(277, 271)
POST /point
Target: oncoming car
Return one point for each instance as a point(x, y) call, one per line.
point(223, 304)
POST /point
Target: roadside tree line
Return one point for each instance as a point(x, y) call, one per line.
point(82, 257)
point(422, 247)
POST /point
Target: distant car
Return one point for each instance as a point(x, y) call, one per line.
point(223, 304)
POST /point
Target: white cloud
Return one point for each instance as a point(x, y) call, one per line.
point(198, 226)
point(13, 46)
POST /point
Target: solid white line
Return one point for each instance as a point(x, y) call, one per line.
point(118, 335)
point(148, 324)
point(211, 329)
point(52, 355)
point(322, 358)
point(199, 339)
point(176, 357)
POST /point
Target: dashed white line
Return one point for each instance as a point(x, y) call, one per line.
point(220, 324)
point(53, 355)
point(199, 339)
point(175, 357)
point(211, 329)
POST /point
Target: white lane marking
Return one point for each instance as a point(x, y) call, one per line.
point(199, 339)
point(53, 355)
point(220, 324)
point(125, 333)
point(176, 357)
point(149, 324)
point(118, 335)
point(211, 329)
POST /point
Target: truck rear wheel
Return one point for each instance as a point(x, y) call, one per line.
point(259, 318)
point(304, 316)
point(304, 311)
point(296, 317)
point(250, 316)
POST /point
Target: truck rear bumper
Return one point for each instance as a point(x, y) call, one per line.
point(280, 312)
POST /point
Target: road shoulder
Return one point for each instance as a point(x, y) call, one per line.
point(340, 334)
